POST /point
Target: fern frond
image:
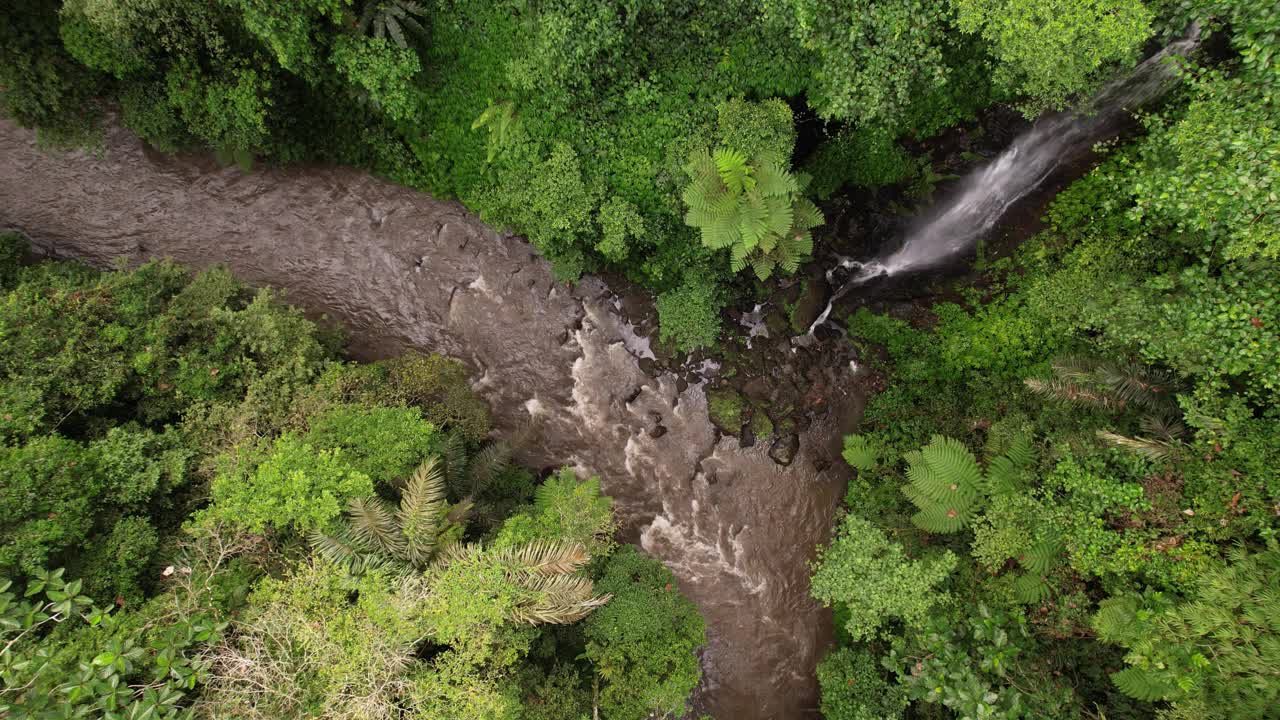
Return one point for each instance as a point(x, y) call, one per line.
point(1031, 588)
point(806, 215)
point(939, 519)
point(763, 266)
point(734, 172)
point(1140, 684)
point(944, 479)
point(945, 470)
point(753, 219)
point(1004, 477)
point(1043, 556)
point(773, 180)
point(1115, 621)
point(802, 243)
point(781, 215)
point(1021, 450)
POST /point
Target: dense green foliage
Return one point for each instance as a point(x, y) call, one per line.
point(570, 122)
point(1065, 501)
point(245, 526)
point(1114, 555)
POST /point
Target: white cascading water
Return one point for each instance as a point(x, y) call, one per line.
point(984, 195)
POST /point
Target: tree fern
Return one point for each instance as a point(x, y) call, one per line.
point(859, 452)
point(947, 486)
point(754, 208)
point(390, 19)
point(944, 481)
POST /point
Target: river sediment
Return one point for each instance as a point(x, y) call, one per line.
point(401, 270)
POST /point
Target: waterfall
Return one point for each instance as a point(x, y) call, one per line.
point(984, 195)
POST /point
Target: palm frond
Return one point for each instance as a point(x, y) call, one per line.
point(373, 524)
point(1151, 449)
point(421, 504)
point(390, 18)
point(459, 552)
point(544, 557)
point(1166, 428)
point(343, 550)
point(557, 600)
point(454, 452)
point(487, 465)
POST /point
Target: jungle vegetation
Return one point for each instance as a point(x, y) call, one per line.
point(1067, 500)
point(1064, 503)
point(207, 513)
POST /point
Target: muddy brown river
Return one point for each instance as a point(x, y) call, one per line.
point(402, 270)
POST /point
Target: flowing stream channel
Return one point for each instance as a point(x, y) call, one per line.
point(401, 270)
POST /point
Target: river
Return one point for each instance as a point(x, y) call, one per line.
point(402, 270)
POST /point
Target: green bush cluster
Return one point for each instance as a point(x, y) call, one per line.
point(1114, 553)
point(246, 526)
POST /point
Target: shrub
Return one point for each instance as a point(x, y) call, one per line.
point(384, 443)
point(872, 577)
point(295, 489)
point(689, 316)
point(854, 689)
point(643, 643)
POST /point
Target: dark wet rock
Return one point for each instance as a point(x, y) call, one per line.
point(809, 306)
point(761, 426)
point(783, 451)
point(757, 389)
point(777, 323)
point(726, 408)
